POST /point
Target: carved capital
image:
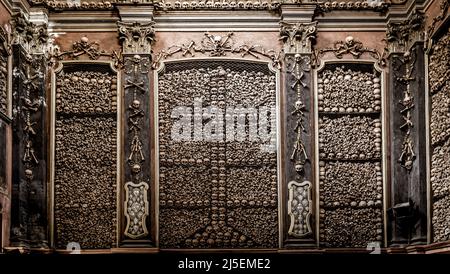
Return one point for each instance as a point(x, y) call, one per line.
point(401, 35)
point(136, 37)
point(33, 38)
point(297, 37)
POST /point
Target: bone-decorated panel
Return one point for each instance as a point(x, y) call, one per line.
point(439, 81)
point(217, 158)
point(350, 151)
point(85, 156)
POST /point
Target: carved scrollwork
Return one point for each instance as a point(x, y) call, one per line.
point(218, 45)
point(136, 37)
point(353, 47)
point(31, 37)
point(297, 37)
point(400, 34)
point(84, 47)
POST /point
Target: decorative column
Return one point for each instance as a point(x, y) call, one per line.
point(29, 191)
point(137, 39)
point(408, 211)
point(298, 116)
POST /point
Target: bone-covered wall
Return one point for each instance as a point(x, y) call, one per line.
point(235, 125)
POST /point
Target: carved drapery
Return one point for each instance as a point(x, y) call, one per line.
point(137, 41)
point(85, 141)
point(439, 88)
point(350, 149)
point(298, 38)
point(217, 177)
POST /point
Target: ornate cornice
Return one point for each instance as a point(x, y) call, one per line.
point(297, 37)
point(217, 46)
point(378, 6)
point(218, 5)
point(33, 38)
point(136, 38)
point(353, 47)
point(66, 5)
point(401, 35)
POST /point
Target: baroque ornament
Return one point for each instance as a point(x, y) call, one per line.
point(136, 37)
point(297, 37)
point(299, 208)
point(31, 37)
point(218, 45)
point(400, 34)
point(136, 204)
point(353, 47)
point(5, 51)
point(407, 155)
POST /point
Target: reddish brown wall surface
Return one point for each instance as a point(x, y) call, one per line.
point(5, 196)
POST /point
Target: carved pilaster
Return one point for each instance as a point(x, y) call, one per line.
point(402, 35)
point(299, 226)
point(29, 199)
point(137, 39)
point(408, 206)
point(298, 37)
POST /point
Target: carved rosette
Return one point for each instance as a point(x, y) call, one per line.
point(137, 39)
